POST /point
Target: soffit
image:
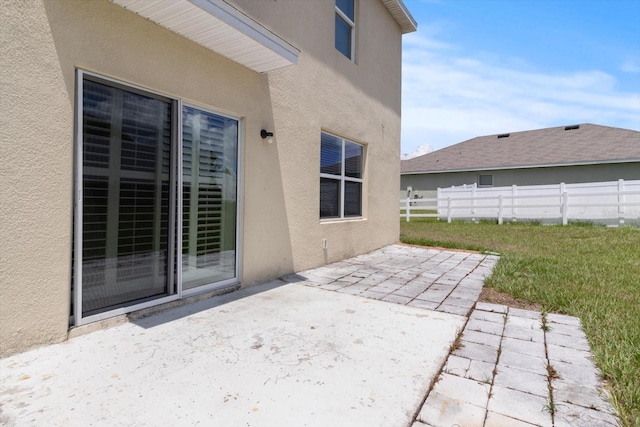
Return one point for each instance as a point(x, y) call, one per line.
point(402, 15)
point(221, 28)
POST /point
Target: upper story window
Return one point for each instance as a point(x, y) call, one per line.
point(341, 165)
point(345, 26)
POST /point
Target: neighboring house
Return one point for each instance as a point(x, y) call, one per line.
point(569, 154)
point(135, 170)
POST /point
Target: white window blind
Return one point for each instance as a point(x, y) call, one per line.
point(341, 172)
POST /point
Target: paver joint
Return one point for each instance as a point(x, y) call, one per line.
point(521, 390)
point(499, 374)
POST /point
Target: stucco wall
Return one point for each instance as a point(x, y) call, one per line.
point(35, 177)
point(43, 42)
point(535, 176)
point(359, 101)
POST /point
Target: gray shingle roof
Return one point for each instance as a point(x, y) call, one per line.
point(587, 144)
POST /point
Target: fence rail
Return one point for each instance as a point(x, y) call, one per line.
point(607, 202)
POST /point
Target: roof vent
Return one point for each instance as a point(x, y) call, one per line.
point(572, 127)
point(504, 135)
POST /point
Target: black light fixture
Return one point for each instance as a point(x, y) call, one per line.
point(267, 135)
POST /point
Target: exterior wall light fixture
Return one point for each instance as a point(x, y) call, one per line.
point(267, 135)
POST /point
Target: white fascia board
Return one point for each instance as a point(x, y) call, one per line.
point(402, 15)
point(548, 165)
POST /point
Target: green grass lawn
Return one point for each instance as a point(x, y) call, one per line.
point(418, 211)
point(591, 272)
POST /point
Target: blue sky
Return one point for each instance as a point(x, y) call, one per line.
point(480, 67)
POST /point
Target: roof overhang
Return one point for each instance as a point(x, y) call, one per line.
point(402, 15)
point(221, 28)
point(548, 165)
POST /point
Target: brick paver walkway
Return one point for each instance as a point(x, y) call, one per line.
point(447, 281)
point(510, 367)
point(516, 368)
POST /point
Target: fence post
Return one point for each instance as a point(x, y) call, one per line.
point(514, 201)
point(562, 191)
point(565, 208)
point(621, 200)
point(500, 209)
point(407, 209)
point(438, 202)
point(473, 202)
point(449, 209)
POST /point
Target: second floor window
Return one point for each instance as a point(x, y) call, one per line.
point(345, 26)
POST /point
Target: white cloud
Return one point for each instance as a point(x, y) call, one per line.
point(448, 98)
point(421, 150)
point(631, 66)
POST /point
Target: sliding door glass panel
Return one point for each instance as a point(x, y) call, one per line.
point(209, 197)
point(125, 207)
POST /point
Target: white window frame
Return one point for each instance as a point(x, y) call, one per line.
point(485, 185)
point(175, 282)
point(352, 24)
point(343, 178)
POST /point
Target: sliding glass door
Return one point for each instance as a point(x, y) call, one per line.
point(145, 165)
point(209, 197)
point(125, 187)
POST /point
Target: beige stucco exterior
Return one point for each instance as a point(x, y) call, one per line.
point(44, 42)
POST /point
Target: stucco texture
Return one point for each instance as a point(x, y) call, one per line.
point(357, 100)
point(44, 42)
point(35, 176)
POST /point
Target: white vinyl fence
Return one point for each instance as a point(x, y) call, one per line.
point(611, 202)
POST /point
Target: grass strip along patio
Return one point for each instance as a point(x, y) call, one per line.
point(588, 271)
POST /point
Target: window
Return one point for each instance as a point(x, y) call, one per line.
point(485, 180)
point(209, 194)
point(345, 27)
point(156, 212)
point(341, 164)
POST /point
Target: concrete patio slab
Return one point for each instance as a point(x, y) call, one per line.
point(321, 347)
point(273, 355)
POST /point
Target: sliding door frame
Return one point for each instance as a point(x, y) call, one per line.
point(174, 273)
point(238, 235)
